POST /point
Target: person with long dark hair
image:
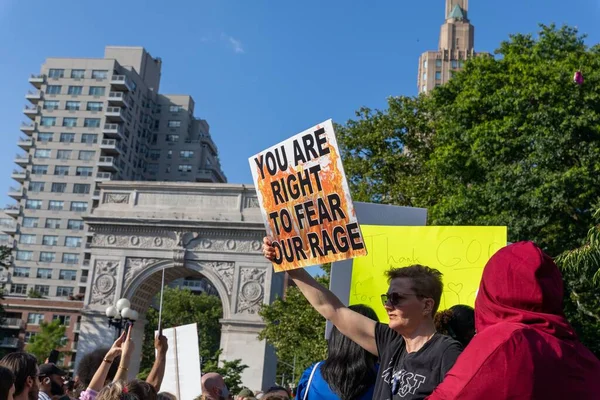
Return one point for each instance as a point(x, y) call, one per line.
point(348, 373)
point(7, 384)
point(458, 322)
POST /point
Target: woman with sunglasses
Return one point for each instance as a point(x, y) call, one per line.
point(413, 358)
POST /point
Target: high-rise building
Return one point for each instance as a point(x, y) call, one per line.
point(91, 120)
point(457, 44)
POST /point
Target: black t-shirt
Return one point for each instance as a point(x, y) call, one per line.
point(411, 375)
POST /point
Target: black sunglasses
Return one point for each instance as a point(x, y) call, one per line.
point(395, 299)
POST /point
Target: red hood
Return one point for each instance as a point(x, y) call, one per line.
point(521, 284)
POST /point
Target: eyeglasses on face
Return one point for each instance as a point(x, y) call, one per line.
point(395, 299)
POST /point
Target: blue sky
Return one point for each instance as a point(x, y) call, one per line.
point(259, 71)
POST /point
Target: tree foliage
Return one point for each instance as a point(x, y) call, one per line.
point(5, 253)
point(231, 371)
point(296, 331)
point(50, 336)
point(510, 140)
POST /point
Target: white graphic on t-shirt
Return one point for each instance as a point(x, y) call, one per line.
point(402, 381)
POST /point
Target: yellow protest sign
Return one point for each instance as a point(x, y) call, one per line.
point(459, 252)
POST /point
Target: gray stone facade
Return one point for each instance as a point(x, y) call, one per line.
point(213, 230)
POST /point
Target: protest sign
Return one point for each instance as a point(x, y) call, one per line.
point(305, 200)
point(459, 252)
point(182, 370)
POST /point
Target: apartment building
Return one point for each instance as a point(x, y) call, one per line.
point(456, 45)
point(89, 120)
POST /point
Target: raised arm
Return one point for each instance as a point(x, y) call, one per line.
point(157, 374)
point(97, 382)
point(126, 353)
point(355, 326)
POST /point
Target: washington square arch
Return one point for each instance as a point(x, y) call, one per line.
point(215, 230)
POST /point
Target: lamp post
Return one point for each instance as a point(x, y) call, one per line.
point(120, 315)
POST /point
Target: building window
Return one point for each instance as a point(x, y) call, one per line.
point(52, 223)
point(77, 73)
point(438, 75)
point(50, 240)
point(72, 241)
point(67, 275)
point(61, 170)
point(86, 155)
point(23, 255)
point(84, 171)
point(44, 290)
point(81, 188)
point(59, 187)
point(53, 89)
point(97, 90)
point(172, 138)
point(33, 204)
point(454, 64)
point(30, 222)
point(35, 318)
point(91, 122)
point(56, 205)
point(36, 186)
point(89, 138)
point(175, 109)
point(72, 105)
point(70, 258)
point(45, 136)
point(94, 105)
point(51, 104)
point(21, 272)
point(42, 153)
point(63, 154)
point(99, 74)
point(186, 154)
point(44, 273)
point(39, 169)
point(75, 224)
point(56, 73)
point(64, 291)
point(48, 121)
point(174, 124)
point(79, 206)
point(70, 122)
point(185, 168)
point(75, 90)
point(47, 256)
point(18, 288)
point(27, 239)
point(67, 137)
point(438, 63)
point(154, 154)
point(64, 319)
point(30, 335)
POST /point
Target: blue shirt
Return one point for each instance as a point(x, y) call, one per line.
point(319, 389)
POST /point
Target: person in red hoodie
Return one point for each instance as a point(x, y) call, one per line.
point(524, 347)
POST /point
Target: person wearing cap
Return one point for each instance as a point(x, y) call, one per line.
point(51, 381)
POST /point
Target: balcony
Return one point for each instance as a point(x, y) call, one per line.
point(31, 111)
point(9, 343)
point(37, 80)
point(9, 228)
point(96, 195)
point(77, 327)
point(108, 164)
point(16, 193)
point(13, 211)
point(113, 130)
point(34, 96)
point(116, 114)
point(4, 277)
point(28, 129)
point(103, 176)
point(22, 159)
point(121, 82)
point(74, 346)
point(118, 98)
point(111, 146)
point(19, 175)
point(25, 143)
point(12, 323)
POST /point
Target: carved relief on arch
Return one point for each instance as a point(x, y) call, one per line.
point(105, 283)
point(226, 245)
point(133, 240)
point(252, 290)
point(134, 266)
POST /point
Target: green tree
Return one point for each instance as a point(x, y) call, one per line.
point(581, 269)
point(296, 331)
point(5, 253)
point(231, 371)
point(182, 307)
point(50, 336)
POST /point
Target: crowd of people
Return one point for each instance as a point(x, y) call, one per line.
point(515, 344)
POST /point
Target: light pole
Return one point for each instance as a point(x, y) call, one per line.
point(121, 314)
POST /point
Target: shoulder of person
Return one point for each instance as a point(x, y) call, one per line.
point(444, 342)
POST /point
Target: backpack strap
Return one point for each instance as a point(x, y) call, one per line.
point(310, 380)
